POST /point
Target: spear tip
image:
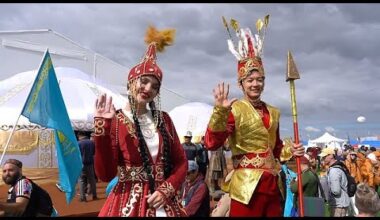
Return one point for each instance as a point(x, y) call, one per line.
point(291, 70)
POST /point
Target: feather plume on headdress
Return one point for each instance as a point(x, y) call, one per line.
point(161, 38)
point(249, 46)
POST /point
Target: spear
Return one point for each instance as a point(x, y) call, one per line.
point(291, 75)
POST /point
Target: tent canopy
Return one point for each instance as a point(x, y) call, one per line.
point(327, 139)
point(194, 117)
point(78, 90)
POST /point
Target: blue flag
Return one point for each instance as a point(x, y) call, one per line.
point(45, 106)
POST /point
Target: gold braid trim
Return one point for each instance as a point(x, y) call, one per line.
point(125, 120)
point(99, 129)
point(218, 120)
point(167, 189)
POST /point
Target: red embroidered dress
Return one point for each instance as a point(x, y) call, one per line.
point(117, 154)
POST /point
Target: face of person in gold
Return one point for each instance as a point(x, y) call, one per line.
point(145, 89)
point(253, 86)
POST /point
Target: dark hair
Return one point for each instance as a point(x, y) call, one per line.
point(372, 148)
point(143, 149)
point(14, 162)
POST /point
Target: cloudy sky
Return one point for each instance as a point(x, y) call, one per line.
point(335, 46)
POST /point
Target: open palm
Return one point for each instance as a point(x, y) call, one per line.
point(104, 107)
point(221, 96)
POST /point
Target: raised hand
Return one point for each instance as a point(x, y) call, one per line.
point(104, 107)
point(221, 96)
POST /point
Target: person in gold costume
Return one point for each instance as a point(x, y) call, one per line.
point(252, 129)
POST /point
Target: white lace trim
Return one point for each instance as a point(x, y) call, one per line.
point(149, 131)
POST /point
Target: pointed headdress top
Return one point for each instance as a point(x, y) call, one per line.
point(156, 41)
point(249, 48)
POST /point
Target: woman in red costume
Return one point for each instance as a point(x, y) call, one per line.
point(140, 145)
point(252, 129)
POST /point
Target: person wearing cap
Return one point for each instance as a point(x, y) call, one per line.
point(195, 195)
point(339, 200)
point(252, 129)
point(353, 165)
point(140, 144)
point(23, 195)
point(189, 147)
point(372, 149)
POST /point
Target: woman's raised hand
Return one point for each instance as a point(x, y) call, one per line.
point(104, 107)
point(221, 96)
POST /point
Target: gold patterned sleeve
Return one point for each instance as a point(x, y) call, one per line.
point(221, 125)
point(106, 149)
point(102, 126)
point(218, 120)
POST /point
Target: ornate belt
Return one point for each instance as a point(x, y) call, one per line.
point(138, 174)
point(262, 160)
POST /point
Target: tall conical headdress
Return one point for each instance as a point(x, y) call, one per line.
point(157, 41)
point(249, 50)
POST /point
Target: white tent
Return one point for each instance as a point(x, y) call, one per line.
point(22, 51)
point(32, 144)
point(194, 117)
point(327, 140)
point(78, 92)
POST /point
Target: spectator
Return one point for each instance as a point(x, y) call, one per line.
point(196, 197)
point(189, 147)
point(202, 157)
point(287, 175)
point(309, 181)
point(353, 165)
point(87, 149)
point(337, 183)
point(218, 165)
point(367, 201)
point(222, 209)
point(25, 198)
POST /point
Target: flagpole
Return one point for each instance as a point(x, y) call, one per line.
point(9, 139)
point(18, 118)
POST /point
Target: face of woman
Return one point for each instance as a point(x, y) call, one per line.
point(253, 86)
point(147, 87)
